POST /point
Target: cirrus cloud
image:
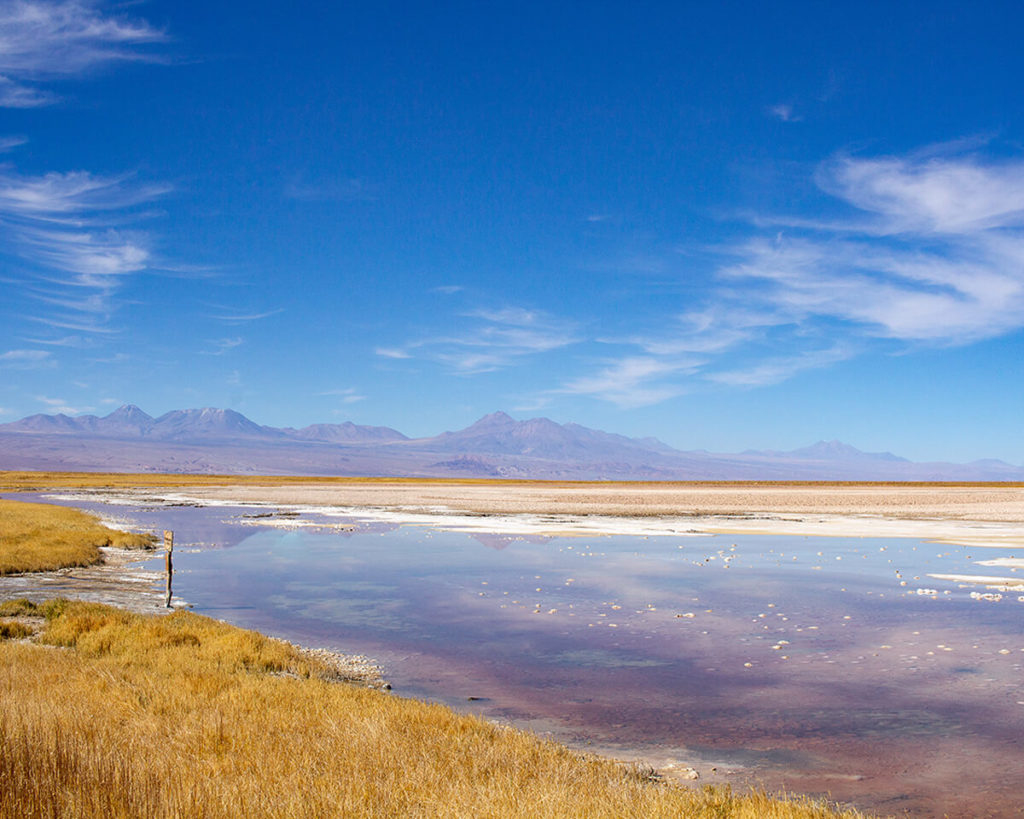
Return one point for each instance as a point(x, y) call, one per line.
point(41, 41)
point(490, 340)
point(929, 253)
point(70, 230)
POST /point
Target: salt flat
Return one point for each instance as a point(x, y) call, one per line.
point(989, 515)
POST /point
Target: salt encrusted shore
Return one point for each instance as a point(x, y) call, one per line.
point(968, 514)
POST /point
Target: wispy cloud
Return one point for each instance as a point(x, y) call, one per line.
point(71, 230)
point(60, 405)
point(349, 395)
point(933, 253)
point(220, 346)
point(634, 381)
point(491, 340)
point(392, 352)
point(784, 111)
point(231, 316)
point(64, 341)
point(9, 143)
point(776, 370)
point(928, 250)
point(42, 41)
point(26, 359)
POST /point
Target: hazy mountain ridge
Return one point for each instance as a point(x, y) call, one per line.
point(828, 450)
point(210, 440)
point(207, 424)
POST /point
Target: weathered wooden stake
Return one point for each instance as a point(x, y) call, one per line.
point(169, 546)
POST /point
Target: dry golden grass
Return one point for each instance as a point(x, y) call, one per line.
point(186, 716)
point(13, 630)
point(38, 537)
point(29, 480)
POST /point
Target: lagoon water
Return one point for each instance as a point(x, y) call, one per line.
point(830, 666)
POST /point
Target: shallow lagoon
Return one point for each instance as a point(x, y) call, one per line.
point(799, 663)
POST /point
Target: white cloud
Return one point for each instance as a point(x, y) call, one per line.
point(65, 341)
point(930, 252)
point(533, 404)
point(223, 345)
point(41, 41)
point(238, 317)
point(493, 340)
point(60, 405)
point(936, 254)
point(9, 143)
point(70, 227)
point(392, 352)
point(776, 370)
point(15, 95)
point(348, 395)
point(67, 198)
point(784, 111)
point(26, 359)
point(935, 194)
point(632, 382)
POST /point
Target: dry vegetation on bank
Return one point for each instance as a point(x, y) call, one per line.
point(26, 480)
point(117, 714)
point(39, 537)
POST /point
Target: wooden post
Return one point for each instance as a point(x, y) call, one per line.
point(169, 546)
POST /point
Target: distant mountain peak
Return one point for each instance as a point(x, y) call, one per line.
point(494, 419)
point(209, 423)
point(128, 412)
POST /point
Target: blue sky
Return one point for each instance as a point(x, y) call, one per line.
point(731, 225)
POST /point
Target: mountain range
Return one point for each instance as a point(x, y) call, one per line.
point(224, 441)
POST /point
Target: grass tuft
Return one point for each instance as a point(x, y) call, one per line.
point(13, 630)
point(19, 608)
point(40, 537)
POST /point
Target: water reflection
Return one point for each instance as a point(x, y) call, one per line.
point(820, 665)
